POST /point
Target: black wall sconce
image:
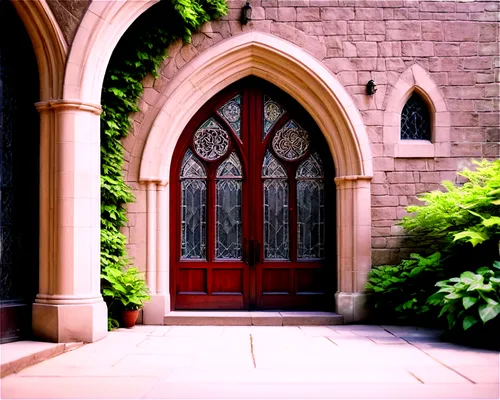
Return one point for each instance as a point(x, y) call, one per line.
point(246, 14)
point(371, 87)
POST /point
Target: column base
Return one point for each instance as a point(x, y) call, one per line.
point(70, 322)
point(352, 306)
point(155, 309)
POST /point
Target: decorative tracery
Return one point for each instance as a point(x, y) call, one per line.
point(231, 112)
point(415, 119)
point(291, 141)
point(211, 141)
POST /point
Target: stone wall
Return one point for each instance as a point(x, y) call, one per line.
point(456, 43)
point(68, 14)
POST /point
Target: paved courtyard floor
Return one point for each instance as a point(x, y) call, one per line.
point(307, 362)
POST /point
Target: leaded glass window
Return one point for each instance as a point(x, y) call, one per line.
point(276, 213)
point(231, 112)
point(211, 141)
point(193, 208)
point(291, 141)
point(415, 119)
point(228, 209)
point(310, 208)
point(272, 112)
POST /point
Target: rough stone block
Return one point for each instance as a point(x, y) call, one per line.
point(432, 30)
point(461, 78)
point(335, 27)
point(337, 13)
point(417, 49)
point(308, 14)
point(402, 189)
point(403, 30)
point(478, 63)
point(466, 149)
point(489, 32)
point(369, 14)
point(287, 14)
point(366, 49)
point(461, 31)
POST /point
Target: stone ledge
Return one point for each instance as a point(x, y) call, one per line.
point(256, 318)
point(16, 356)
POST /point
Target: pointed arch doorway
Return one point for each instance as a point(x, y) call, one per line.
point(252, 205)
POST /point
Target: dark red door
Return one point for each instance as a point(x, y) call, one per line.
point(252, 206)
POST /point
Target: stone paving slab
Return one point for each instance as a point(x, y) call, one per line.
point(284, 362)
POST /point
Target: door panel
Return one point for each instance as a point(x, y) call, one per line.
point(251, 177)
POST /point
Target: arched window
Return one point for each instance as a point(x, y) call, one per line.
point(415, 119)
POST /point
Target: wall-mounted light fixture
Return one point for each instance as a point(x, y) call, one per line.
point(246, 14)
point(371, 87)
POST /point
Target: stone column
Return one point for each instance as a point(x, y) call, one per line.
point(353, 244)
point(157, 255)
point(69, 306)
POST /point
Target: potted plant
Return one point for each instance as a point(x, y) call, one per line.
point(127, 288)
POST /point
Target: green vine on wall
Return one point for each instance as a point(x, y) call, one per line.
point(140, 52)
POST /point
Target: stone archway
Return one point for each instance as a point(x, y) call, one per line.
point(323, 97)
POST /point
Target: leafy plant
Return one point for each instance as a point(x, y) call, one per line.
point(129, 287)
point(452, 220)
point(469, 299)
point(401, 291)
point(140, 52)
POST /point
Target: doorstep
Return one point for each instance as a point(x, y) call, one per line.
point(16, 356)
point(246, 318)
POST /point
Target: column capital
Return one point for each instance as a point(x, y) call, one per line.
point(68, 104)
point(160, 183)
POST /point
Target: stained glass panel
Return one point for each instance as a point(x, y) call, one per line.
point(228, 219)
point(291, 141)
point(191, 167)
point(415, 119)
point(231, 112)
point(310, 219)
point(193, 226)
point(272, 112)
point(312, 167)
point(271, 168)
point(211, 141)
point(276, 240)
point(230, 167)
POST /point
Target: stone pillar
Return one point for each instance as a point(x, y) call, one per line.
point(69, 306)
point(157, 255)
point(353, 244)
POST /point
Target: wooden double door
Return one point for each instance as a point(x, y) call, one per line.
point(252, 206)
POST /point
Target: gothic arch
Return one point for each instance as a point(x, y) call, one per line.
point(416, 79)
point(262, 55)
point(90, 53)
point(48, 43)
point(308, 81)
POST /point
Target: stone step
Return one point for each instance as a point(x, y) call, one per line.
point(246, 318)
point(16, 356)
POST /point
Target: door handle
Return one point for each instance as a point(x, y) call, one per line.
point(253, 253)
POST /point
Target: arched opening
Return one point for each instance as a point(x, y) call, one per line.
point(415, 119)
point(252, 205)
point(312, 86)
point(19, 176)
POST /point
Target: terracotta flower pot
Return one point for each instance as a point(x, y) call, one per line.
point(129, 317)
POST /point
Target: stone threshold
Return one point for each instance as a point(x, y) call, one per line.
point(248, 318)
point(16, 356)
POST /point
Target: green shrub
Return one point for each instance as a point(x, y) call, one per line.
point(400, 292)
point(461, 226)
point(471, 298)
point(461, 216)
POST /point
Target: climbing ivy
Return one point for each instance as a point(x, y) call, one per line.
point(140, 52)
